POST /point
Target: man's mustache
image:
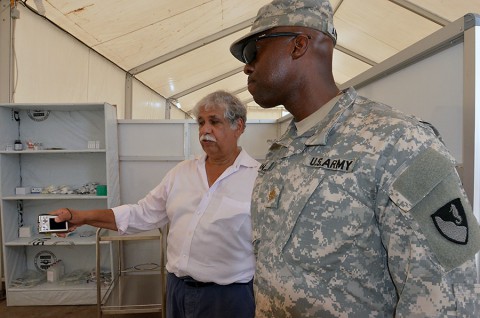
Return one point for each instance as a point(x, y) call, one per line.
point(208, 137)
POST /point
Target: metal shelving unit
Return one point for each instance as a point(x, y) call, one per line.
point(137, 290)
point(61, 158)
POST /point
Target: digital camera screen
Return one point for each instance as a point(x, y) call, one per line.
point(57, 226)
point(47, 224)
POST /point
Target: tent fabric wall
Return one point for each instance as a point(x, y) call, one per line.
point(54, 67)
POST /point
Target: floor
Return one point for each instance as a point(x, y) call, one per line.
point(61, 311)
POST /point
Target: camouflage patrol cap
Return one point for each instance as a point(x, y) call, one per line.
point(315, 14)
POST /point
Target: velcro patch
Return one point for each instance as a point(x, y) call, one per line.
point(345, 165)
point(430, 191)
point(451, 221)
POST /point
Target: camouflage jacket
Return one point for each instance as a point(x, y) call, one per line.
point(363, 215)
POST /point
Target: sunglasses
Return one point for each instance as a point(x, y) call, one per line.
point(250, 49)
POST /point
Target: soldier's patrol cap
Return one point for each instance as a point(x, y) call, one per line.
point(314, 14)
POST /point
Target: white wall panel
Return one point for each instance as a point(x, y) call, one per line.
point(431, 89)
point(137, 178)
point(256, 137)
point(154, 138)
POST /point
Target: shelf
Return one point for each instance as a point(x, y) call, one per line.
point(66, 107)
point(55, 197)
point(47, 286)
point(149, 284)
point(52, 241)
point(56, 151)
point(53, 294)
point(146, 298)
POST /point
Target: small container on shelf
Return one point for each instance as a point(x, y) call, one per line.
point(18, 146)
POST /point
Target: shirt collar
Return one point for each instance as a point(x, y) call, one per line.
point(243, 159)
point(321, 132)
point(318, 134)
point(307, 123)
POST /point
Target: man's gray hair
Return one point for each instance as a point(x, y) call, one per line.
point(233, 107)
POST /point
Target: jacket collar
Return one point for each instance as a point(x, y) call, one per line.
point(318, 135)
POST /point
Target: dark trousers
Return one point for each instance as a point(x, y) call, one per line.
point(187, 298)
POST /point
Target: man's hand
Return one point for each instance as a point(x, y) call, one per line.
point(66, 214)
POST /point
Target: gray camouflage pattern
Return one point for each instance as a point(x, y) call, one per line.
point(314, 14)
point(329, 239)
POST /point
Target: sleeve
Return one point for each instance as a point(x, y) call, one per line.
point(431, 237)
point(148, 214)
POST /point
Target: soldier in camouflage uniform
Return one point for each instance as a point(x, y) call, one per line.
point(358, 210)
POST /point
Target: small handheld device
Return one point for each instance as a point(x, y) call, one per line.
point(47, 224)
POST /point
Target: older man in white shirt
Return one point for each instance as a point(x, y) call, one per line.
point(206, 201)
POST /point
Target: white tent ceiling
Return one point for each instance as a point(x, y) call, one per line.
point(180, 49)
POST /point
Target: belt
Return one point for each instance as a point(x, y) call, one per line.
point(189, 281)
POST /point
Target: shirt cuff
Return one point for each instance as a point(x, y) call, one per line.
point(122, 215)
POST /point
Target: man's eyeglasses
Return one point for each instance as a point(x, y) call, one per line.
point(250, 49)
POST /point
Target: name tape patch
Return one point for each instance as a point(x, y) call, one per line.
point(345, 165)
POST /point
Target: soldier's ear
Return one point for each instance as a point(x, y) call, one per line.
point(300, 45)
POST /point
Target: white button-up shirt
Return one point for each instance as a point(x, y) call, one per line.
point(210, 235)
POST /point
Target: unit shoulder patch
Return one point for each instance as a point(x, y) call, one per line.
point(451, 221)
